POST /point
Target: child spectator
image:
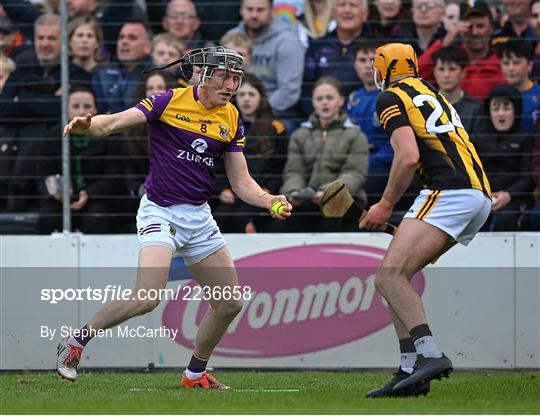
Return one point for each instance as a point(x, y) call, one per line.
point(239, 42)
point(505, 151)
point(449, 71)
point(516, 63)
point(325, 148)
point(361, 108)
point(166, 49)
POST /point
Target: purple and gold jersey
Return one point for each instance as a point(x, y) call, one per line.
point(186, 139)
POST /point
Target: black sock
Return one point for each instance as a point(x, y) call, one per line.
point(84, 336)
point(197, 365)
point(406, 345)
point(419, 331)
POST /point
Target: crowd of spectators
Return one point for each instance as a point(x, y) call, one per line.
point(307, 101)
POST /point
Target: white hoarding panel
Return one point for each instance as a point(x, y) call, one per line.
point(309, 301)
point(31, 266)
point(527, 301)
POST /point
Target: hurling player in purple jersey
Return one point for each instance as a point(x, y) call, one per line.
point(189, 129)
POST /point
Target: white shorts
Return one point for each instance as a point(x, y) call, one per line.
point(189, 230)
point(460, 213)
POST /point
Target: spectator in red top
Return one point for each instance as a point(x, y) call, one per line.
point(476, 27)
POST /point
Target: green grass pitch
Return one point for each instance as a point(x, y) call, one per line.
point(302, 392)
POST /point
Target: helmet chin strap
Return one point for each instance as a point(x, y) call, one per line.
point(378, 83)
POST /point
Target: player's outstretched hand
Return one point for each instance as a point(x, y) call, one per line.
point(280, 211)
point(79, 125)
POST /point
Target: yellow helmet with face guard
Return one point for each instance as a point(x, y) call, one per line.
point(393, 62)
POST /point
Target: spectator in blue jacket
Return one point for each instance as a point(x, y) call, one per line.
point(516, 64)
point(116, 83)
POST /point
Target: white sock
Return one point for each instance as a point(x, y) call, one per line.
point(72, 341)
point(193, 375)
point(426, 347)
point(407, 361)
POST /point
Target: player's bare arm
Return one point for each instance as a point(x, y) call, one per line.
point(406, 157)
point(104, 124)
point(245, 187)
point(404, 164)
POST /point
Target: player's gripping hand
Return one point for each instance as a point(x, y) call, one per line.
point(79, 125)
point(280, 208)
point(377, 215)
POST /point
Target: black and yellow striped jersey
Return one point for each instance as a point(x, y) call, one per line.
point(448, 159)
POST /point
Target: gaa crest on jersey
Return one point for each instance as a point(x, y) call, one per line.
point(224, 131)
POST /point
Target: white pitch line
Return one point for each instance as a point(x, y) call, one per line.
point(142, 389)
point(266, 390)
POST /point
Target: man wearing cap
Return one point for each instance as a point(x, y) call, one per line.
point(484, 69)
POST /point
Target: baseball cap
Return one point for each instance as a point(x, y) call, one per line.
point(479, 8)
